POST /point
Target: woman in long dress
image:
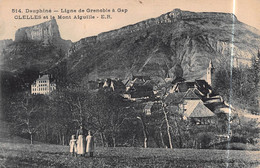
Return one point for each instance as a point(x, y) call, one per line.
point(90, 144)
point(81, 143)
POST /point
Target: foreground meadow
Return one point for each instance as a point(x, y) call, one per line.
point(42, 155)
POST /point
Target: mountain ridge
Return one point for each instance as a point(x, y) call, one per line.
point(173, 16)
point(153, 47)
point(189, 39)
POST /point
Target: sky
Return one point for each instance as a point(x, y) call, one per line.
point(126, 12)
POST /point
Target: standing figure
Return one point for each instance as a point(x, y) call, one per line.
point(90, 144)
point(73, 146)
point(81, 143)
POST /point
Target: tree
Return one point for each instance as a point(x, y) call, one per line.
point(244, 90)
point(245, 130)
point(108, 113)
point(169, 116)
point(145, 132)
point(27, 114)
point(60, 118)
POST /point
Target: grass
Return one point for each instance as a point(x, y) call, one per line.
point(43, 155)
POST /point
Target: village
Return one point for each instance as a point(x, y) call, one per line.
point(195, 101)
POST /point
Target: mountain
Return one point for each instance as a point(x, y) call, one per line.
point(47, 33)
point(159, 46)
point(37, 47)
point(178, 43)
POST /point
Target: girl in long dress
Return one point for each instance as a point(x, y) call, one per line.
point(81, 143)
point(73, 145)
point(90, 144)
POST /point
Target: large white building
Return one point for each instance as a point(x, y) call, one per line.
point(43, 85)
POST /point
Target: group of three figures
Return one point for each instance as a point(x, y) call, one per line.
point(79, 145)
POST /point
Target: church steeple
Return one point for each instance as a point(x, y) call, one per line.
point(210, 71)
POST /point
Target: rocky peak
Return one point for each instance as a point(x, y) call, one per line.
point(45, 32)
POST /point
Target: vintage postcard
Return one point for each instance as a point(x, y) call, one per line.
point(130, 83)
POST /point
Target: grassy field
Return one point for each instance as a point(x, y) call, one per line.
point(42, 155)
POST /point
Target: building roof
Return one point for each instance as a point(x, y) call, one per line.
point(196, 109)
point(225, 110)
point(125, 81)
point(178, 79)
point(44, 77)
point(184, 86)
point(148, 105)
point(144, 78)
point(175, 98)
point(190, 94)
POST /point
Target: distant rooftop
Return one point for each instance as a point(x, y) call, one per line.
point(196, 108)
point(44, 77)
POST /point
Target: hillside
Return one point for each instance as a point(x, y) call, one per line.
point(178, 43)
point(155, 46)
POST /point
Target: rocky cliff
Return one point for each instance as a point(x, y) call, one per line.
point(155, 46)
point(46, 32)
point(38, 46)
point(171, 17)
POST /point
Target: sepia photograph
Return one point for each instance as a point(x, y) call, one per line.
point(130, 83)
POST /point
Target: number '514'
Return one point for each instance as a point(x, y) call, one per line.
point(16, 11)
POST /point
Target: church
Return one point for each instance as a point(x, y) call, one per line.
point(192, 97)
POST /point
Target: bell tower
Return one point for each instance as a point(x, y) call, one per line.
point(210, 71)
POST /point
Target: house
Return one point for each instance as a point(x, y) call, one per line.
point(197, 112)
point(193, 94)
point(148, 108)
point(114, 85)
point(179, 97)
point(141, 88)
point(202, 85)
point(191, 106)
point(43, 85)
